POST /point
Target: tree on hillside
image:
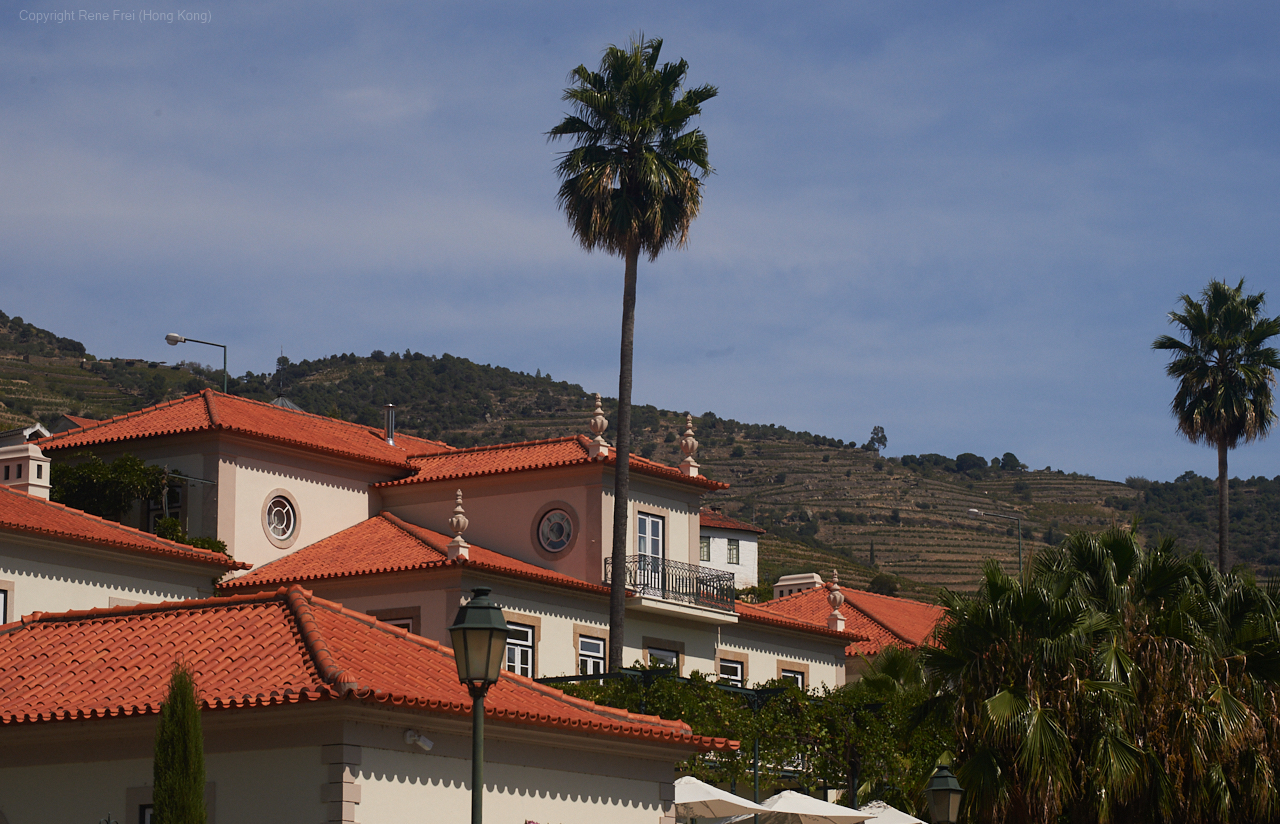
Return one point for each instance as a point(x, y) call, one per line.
point(179, 755)
point(877, 441)
point(1225, 372)
point(632, 183)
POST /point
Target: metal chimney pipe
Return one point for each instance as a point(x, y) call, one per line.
point(390, 427)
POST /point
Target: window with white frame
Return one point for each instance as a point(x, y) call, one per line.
point(4, 606)
point(795, 676)
point(734, 554)
point(405, 624)
point(144, 813)
point(704, 548)
point(650, 535)
point(520, 649)
point(731, 672)
point(590, 655)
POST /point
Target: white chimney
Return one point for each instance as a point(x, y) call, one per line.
point(22, 465)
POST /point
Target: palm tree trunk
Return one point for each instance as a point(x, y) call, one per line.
point(621, 474)
point(1222, 507)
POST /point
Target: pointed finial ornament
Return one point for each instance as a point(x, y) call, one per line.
point(458, 547)
point(598, 449)
point(689, 446)
point(835, 598)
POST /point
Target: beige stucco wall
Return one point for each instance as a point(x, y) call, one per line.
point(765, 649)
point(45, 575)
point(278, 786)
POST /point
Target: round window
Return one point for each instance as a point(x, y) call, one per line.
point(281, 519)
point(555, 531)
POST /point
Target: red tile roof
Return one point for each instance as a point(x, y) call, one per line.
point(757, 613)
point(208, 411)
point(712, 519)
point(388, 544)
point(531, 455)
point(282, 647)
point(884, 620)
point(20, 512)
point(80, 421)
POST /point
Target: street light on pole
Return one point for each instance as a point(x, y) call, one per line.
point(173, 339)
point(944, 793)
point(980, 514)
point(479, 635)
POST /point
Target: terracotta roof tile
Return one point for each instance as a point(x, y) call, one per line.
point(531, 455)
point(884, 620)
point(20, 512)
point(208, 411)
point(388, 544)
point(711, 519)
point(280, 647)
point(760, 615)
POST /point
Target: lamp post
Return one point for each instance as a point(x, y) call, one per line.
point(980, 514)
point(479, 635)
point(944, 793)
point(173, 339)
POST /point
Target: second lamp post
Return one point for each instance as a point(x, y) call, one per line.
point(479, 634)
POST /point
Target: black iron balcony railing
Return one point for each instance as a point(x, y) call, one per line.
point(676, 581)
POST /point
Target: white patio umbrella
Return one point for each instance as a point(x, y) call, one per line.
point(884, 814)
point(789, 807)
point(698, 799)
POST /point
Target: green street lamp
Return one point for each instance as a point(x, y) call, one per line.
point(977, 513)
point(944, 793)
point(479, 635)
point(173, 339)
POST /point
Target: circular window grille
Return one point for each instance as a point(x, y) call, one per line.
point(555, 531)
point(281, 519)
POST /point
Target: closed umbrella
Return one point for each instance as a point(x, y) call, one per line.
point(698, 799)
point(882, 813)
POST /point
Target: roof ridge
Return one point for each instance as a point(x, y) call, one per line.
point(209, 408)
point(412, 530)
point(299, 601)
point(493, 447)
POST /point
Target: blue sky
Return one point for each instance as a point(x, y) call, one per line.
point(963, 222)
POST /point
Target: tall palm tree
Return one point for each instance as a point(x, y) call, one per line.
point(1225, 373)
point(631, 183)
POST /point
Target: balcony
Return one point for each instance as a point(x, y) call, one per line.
point(672, 582)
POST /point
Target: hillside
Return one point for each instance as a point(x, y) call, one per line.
point(826, 504)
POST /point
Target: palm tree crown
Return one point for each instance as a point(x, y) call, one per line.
point(634, 178)
point(1225, 373)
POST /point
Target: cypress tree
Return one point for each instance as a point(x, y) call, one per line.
point(179, 757)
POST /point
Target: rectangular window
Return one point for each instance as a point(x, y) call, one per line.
point(590, 655)
point(4, 606)
point(731, 672)
point(520, 649)
point(39, 471)
point(19, 471)
point(405, 624)
point(6, 472)
point(794, 676)
point(649, 536)
point(733, 551)
point(664, 658)
point(704, 548)
point(144, 813)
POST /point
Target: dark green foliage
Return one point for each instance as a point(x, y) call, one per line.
point(883, 584)
point(171, 529)
point(179, 755)
point(1010, 463)
point(106, 490)
point(876, 726)
point(967, 461)
point(877, 441)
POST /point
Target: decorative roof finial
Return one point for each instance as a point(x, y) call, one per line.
point(598, 450)
point(458, 547)
point(835, 598)
point(688, 445)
